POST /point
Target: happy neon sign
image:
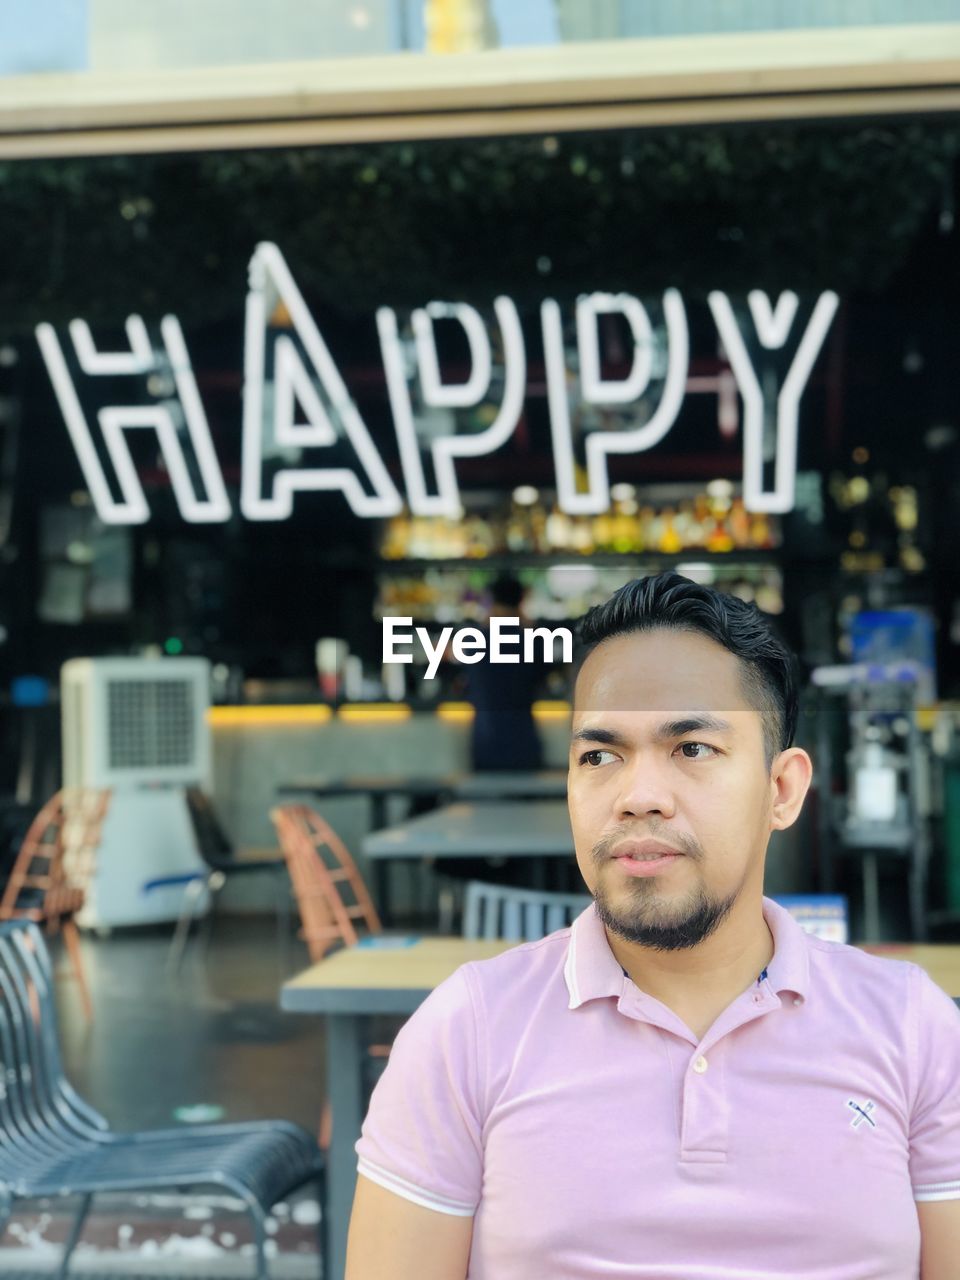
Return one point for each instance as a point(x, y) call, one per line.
point(294, 398)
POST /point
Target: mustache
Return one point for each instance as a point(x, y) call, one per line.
point(686, 844)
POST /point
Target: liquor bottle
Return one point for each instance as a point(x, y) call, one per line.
point(719, 539)
point(700, 525)
point(517, 531)
point(761, 535)
point(603, 531)
point(684, 524)
point(538, 529)
point(669, 543)
point(559, 530)
point(626, 528)
point(582, 535)
point(739, 524)
point(396, 538)
point(646, 529)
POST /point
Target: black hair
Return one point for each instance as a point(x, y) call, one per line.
point(670, 602)
point(507, 590)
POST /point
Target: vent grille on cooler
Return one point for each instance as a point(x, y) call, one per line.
point(152, 723)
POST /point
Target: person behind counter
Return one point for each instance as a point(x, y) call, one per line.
point(504, 735)
point(683, 1083)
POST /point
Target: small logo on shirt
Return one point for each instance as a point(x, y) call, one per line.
point(863, 1113)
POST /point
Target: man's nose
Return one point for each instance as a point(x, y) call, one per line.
point(645, 787)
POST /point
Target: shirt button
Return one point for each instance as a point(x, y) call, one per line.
point(700, 1065)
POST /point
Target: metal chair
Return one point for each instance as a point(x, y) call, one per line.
point(219, 855)
point(53, 1143)
point(517, 915)
point(54, 863)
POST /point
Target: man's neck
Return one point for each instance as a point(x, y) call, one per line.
point(706, 977)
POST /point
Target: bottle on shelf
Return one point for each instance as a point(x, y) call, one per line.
point(669, 543)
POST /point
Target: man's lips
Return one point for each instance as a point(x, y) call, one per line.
point(644, 849)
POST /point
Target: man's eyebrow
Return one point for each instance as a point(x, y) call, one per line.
point(664, 732)
point(608, 737)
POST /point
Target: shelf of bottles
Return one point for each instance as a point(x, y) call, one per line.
point(441, 571)
point(665, 521)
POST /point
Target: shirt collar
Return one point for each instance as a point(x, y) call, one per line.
point(591, 969)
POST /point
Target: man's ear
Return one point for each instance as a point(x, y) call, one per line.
point(790, 778)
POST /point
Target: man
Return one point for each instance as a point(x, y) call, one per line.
point(684, 1084)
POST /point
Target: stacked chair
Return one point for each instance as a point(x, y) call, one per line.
point(331, 895)
point(52, 868)
point(54, 1144)
point(332, 899)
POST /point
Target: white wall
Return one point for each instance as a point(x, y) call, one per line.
point(165, 34)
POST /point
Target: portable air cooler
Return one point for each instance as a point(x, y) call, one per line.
point(138, 726)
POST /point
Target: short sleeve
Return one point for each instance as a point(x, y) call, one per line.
point(935, 1115)
point(422, 1135)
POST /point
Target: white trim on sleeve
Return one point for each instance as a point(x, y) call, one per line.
point(937, 1191)
point(410, 1191)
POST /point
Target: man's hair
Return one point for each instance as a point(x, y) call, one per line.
point(670, 602)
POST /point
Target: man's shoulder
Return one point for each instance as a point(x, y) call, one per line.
point(481, 993)
point(525, 961)
point(520, 972)
point(887, 978)
point(843, 959)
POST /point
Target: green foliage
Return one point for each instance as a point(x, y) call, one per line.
point(801, 205)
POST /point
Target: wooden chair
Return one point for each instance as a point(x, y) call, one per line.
point(329, 890)
point(331, 895)
point(53, 865)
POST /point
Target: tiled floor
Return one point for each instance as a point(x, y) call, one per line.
point(211, 1036)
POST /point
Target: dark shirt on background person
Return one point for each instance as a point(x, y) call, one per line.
point(504, 735)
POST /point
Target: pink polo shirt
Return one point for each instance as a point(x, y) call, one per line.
point(590, 1135)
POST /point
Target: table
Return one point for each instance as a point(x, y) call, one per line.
point(544, 784)
point(347, 987)
point(479, 829)
point(378, 787)
point(352, 984)
point(495, 829)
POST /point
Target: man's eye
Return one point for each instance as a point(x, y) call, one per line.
point(696, 746)
point(597, 758)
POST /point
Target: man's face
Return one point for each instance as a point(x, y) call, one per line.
point(667, 758)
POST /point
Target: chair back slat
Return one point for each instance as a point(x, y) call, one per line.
point(517, 915)
point(29, 1077)
point(510, 920)
point(56, 856)
point(54, 866)
point(35, 965)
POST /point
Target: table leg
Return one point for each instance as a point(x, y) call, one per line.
point(381, 889)
point(378, 811)
point(344, 1059)
point(381, 869)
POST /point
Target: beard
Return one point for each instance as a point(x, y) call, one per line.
point(644, 918)
point(649, 923)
